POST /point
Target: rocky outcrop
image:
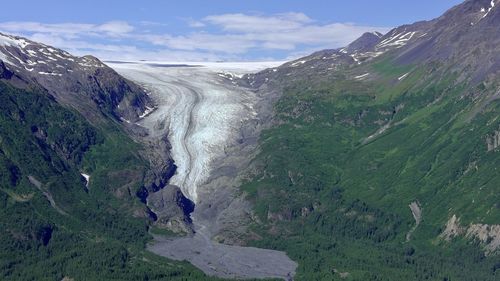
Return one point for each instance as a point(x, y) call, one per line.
point(365, 43)
point(4, 72)
point(452, 229)
point(162, 167)
point(172, 209)
point(488, 235)
point(493, 140)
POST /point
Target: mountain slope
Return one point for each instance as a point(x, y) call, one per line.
point(71, 171)
point(83, 83)
point(381, 161)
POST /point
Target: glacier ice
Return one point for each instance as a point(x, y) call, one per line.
point(202, 112)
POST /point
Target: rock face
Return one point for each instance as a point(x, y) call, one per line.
point(459, 36)
point(365, 43)
point(162, 164)
point(493, 141)
point(452, 229)
point(488, 235)
point(4, 72)
point(172, 209)
point(84, 83)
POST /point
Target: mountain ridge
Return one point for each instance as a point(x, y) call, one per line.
point(357, 137)
point(45, 65)
point(74, 168)
point(376, 161)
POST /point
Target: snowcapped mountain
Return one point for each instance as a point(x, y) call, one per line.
point(84, 83)
point(465, 37)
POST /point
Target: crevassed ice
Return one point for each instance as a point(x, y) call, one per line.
point(202, 114)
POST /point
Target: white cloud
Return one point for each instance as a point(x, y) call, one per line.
point(115, 27)
point(69, 30)
point(224, 43)
point(152, 23)
point(229, 36)
point(249, 23)
point(195, 23)
point(243, 33)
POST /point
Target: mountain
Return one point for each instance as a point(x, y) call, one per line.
point(75, 170)
point(92, 88)
point(375, 161)
point(379, 162)
point(83, 83)
point(466, 36)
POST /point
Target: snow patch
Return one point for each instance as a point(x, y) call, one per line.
point(49, 73)
point(355, 58)
point(12, 41)
point(403, 76)
point(399, 40)
point(125, 120)
point(146, 112)
point(297, 63)
point(492, 5)
point(359, 77)
point(87, 178)
point(5, 59)
point(89, 64)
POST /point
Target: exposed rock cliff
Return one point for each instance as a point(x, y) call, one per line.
point(488, 235)
point(172, 209)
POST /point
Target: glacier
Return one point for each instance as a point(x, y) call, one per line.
point(202, 110)
point(202, 113)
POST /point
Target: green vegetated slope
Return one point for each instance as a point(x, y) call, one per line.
point(336, 176)
point(52, 226)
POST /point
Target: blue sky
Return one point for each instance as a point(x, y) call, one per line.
point(195, 30)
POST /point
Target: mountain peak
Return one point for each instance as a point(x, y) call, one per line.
point(69, 77)
point(367, 41)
